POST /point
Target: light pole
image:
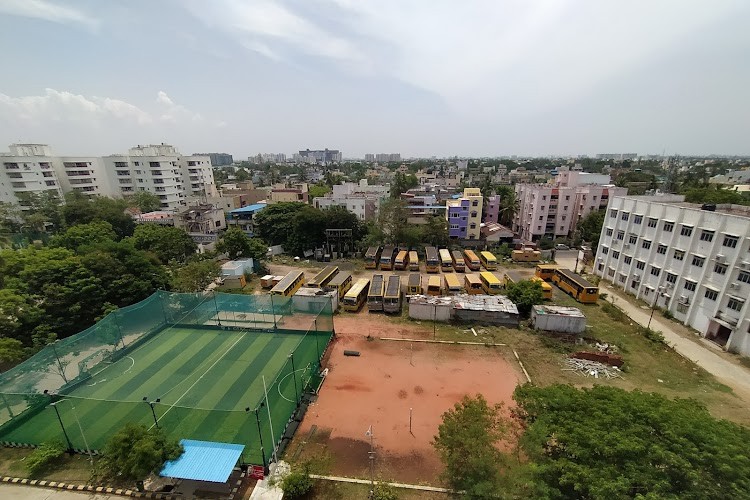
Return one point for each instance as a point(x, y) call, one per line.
point(80, 428)
point(371, 456)
point(216, 306)
point(65, 433)
point(653, 307)
point(151, 405)
point(260, 436)
point(294, 377)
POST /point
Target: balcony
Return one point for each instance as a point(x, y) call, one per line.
point(731, 319)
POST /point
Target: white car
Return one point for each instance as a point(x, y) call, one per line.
point(560, 246)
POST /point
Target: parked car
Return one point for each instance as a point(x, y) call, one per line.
point(561, 246)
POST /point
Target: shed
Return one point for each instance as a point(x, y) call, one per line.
point(558, 319)
point(311, 299)
point(237, 267)
point(489, 309)
point(429, 307)
point(204, 461)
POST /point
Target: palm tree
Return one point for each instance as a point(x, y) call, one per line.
point(508, 205)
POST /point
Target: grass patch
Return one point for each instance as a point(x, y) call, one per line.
point(68, 469)
point(329, 490)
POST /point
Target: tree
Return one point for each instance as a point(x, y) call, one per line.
point(338, 217)
point(18, 314)
point(508, 205)
point(714, 194)
point(318, 190)
point(590, 227)
point(145, 201)
point(607, 443)
point(135, 451)
point(435, 232)
point(80, 209)
point(467, 442)
point(82, 235)
point(10, 217)
point(195, 276)
point(392, 220)
point(297, 483)
point(42, 211)
point(236, 243)
point(402, 183)
point(11, 351)
point(166, 242)
point(275, 222)
point(525, 293)
point(241, 175)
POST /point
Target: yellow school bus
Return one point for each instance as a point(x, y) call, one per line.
point(575, 286)
point(402, 260)
point(488, 260)
point(432, 262)
point(446, 261)
point(545, 271)
point(413, 261)
point(546, 287)
point(473, 284)
point(414, 285)
point(289, 285)
point(471, 260)
point(452, 283)
point(435, 286)
point(342, 282)
point(372, 257)
point(323, 277)
point(357, 295)
point(458, 261)
point(490, 284)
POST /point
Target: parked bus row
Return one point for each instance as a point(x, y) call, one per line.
point(453, 284)
point(569, 282)
point(392, 258)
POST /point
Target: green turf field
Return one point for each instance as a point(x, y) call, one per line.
point(204, 378)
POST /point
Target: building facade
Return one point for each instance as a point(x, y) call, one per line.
point(323, 156)
point(361, 199)
point(692, 261)
point(282, 193)
point(464, 215)
point(159, 169)
point(553, 210)
point(218, 159)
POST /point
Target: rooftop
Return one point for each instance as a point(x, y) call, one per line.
point(558, 311)
point(679, 201)
point(249, 209)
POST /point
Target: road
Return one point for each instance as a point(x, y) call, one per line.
point(725, 370)
point(20, 492)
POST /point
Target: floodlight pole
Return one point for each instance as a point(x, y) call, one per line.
point(270, 422)
point(153, 412)
point(216, 306)
point(273, 313)
point(260, 437)
point(65, 433)
point(59, 363)
point(85, 441)
point(294, 377)
point(317, 346)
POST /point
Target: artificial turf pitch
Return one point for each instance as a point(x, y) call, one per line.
point(205, 379)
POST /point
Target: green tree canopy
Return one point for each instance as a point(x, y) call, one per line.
point(607, 443)
point(590, 227)
point(508, 205)
point(435, 232)
point(714, 194)
point(235, 243)
point(275, 222)
point(41, 211)
point(135, 451)
point(467, 442)
point(195, 276)
point(402, 183)
point(166, 242)
point(318, 190)
point(525, 293)
point(145, 201)
point(83, 235)
point(80, 209)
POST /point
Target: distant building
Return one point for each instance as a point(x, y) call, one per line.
point(267, 158)
point(464, 215)
point(296, 192)
point(361, 199)
point(494, 233)
point(202, 222)
point(491, 210)
point(244, 218)
point(323, 156)
point(553, 210)
point(617, 156)
point(218, 159)
point(421, 207)
point(689, 259)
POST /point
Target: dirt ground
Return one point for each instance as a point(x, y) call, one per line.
point(378, 389)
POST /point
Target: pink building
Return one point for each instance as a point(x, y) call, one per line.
point(491, 210)
point(553, 210)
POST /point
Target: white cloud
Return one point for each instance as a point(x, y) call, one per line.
point(42, 9)
point(163, 98)
point(174, 113)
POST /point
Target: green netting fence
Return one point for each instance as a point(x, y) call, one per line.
point(211, 366)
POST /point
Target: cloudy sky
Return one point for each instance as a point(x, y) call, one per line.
point(423, 78)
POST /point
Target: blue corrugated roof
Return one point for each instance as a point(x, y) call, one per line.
point(250, 208)
point(204, 461)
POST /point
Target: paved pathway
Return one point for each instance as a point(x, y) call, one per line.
point(732, 374)
point(395, 485)
point(20, 492)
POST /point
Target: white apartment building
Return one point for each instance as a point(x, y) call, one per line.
point(553, 210)
point(361, 199)
point(159, 169)
point(692, 261)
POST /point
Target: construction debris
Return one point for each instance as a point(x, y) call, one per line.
point(591, 368)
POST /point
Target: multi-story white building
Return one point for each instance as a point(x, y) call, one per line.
point(690, 259)
point(553, 210)
point(159, 169)
point(361, 199)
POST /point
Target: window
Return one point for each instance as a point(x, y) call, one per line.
point(655, 271)
point(600, 267)
point(646, 291)
point(633, 239)
point(544, 197)
point(610, 272)
point(565, 207)
point(671, 278)
point(613, 213)
point(661, 249)
point(543, 207)
point(711, 294)
point(720, 269)
point(744, 277)
point(707, 235)
point(563, 217)
point(615, 255)
point(698, 261)
point(609, 231)
point(690, 285)
point(735, 304)
point(679, 254)
point(686, 230)
point(640, 265)
point(651, 222)
point(625, 216)
point(730, 241)
point(621, 278)
point(637, 219)
point(628, 259)
point(454, 226)
point(540, 217)
point(620, 235)
point(646, 244)
point(605, 250)
point(668, 227)
point(567, 198)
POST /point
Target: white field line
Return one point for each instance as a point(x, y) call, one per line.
point(201, 377)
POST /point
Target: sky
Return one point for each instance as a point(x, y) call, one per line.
point(421, 78)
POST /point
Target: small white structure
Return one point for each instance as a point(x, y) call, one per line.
point(558, 319)
point(310, 300)
point(429, 308)
point(237, 267)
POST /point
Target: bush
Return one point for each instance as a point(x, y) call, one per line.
point(384, 491)
point(667, 314)
point(44, 457)
point(615, 313)
point(297, 483)
point(653, 335)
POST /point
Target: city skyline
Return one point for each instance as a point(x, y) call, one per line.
point(484, 80)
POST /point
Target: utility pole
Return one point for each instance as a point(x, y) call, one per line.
point(371, 456)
